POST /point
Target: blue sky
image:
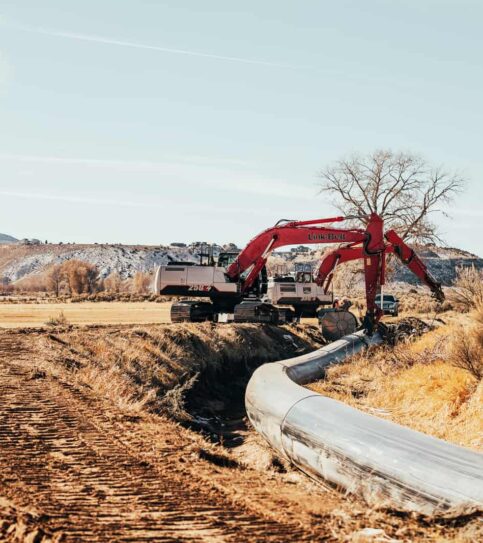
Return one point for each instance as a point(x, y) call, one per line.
point(157, 121)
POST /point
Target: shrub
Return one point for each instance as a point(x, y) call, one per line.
point(82, 277)
point(141, 283)
point(113, 283)
point(73, 276)
point(34, 283)
point(467, 346)
point(467, 292)
point(59, 320)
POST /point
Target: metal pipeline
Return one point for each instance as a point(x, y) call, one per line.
point(386, 463)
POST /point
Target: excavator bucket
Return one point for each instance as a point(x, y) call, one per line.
point(336, 323)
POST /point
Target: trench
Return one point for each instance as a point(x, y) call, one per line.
point(215, 403)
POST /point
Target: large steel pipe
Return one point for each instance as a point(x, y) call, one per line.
point(386, 463)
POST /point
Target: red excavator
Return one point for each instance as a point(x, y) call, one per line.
point(237, 284)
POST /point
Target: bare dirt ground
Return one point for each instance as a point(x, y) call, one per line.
point(74, 466)
point(32, 315)
point(84, 470)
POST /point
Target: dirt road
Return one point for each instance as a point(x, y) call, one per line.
point(32, 315)
point(92, 475)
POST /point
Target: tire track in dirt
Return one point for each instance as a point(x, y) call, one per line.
point(61, 455)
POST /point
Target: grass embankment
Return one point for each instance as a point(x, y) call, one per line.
point(150, 367)
point(426, 384)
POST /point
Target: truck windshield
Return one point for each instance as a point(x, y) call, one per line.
point(387, 298)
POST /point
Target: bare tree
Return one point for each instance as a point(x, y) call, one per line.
point(402, 188)
point(113, 282)
point(81, 276)
point(55, 276)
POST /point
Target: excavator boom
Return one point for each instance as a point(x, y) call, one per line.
point(257, 251)
point(368, 245)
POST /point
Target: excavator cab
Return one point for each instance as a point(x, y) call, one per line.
point(259, 287)
point(303, 273)
point(227, 258)
point(205, 255)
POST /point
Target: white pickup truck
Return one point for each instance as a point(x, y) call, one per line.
point(390, 304)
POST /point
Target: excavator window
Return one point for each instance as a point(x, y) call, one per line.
point(225, 259)
point(303, 277)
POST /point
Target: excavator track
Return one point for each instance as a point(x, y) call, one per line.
point(191, 311)
point(180, 312)
point(257, 311)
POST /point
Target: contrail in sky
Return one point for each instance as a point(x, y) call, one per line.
point(221, 176)
point(161, 205)
point(145, 46)
point(79, 199)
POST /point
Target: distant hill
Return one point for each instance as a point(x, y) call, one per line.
point(442, 262)
point(27, 259)
point(22, 260)
point(5, 238)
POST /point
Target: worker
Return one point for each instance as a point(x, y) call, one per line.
point(335, 304)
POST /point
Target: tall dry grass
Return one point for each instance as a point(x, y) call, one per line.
point(414, 384)
point(467, 345)
point(467, 291)
point(411, 302)
point(141, 367)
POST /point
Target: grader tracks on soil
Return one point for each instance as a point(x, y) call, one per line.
point(88, 476)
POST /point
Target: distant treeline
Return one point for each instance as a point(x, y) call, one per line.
point(76, 277)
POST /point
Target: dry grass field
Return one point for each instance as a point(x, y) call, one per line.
point(421, 384)
point(34, 315)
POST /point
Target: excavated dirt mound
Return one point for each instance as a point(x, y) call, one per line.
point(404, 329)
point(153, 367)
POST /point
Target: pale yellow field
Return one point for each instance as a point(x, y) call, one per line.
point(31, 315)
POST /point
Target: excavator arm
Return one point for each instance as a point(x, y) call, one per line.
point(254, 256)
point(371, 240)
point(408, 257)
point(331, 259)
point(396, 245)
point(368, 244)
